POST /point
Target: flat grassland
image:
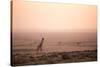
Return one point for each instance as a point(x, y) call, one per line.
point(54, 57)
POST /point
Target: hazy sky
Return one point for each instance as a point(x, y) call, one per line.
point(53, 17)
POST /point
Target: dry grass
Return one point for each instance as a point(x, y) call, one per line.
point(54, 57)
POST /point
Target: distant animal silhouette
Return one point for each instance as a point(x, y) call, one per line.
point(59, 43)
point(40, 46)
point(78, 43)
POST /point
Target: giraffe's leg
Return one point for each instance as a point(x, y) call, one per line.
point(40, 48)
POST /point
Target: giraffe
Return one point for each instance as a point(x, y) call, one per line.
point(39, 47)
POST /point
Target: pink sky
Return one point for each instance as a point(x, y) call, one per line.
point(53, 17)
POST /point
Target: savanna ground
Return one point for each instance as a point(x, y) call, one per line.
point(54, 57)
point(57, 48)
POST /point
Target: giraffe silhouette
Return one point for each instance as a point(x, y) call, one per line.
point(40, 46)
